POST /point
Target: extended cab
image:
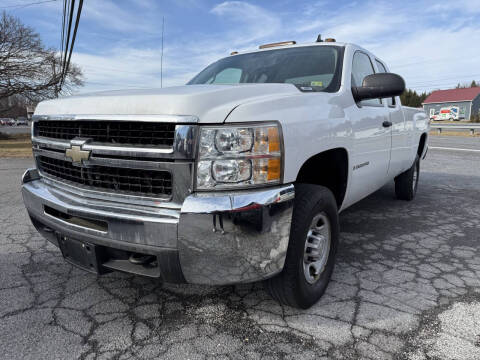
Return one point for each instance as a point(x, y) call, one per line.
point(236, 177)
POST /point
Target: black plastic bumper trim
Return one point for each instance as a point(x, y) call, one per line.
point(168, 259)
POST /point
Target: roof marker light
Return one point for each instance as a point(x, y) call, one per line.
point(282, 43)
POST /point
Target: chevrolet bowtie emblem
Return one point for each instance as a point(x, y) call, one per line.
point(77, 154)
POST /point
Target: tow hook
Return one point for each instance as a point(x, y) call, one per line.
point(141, 259)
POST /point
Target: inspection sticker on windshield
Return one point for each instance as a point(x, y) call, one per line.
point(316, 83)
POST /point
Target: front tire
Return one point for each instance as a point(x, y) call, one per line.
point(406, 183)
point(311, 250)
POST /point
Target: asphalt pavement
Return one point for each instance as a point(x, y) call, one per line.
point(455, 143)
point(11, 130)
point(406, 286)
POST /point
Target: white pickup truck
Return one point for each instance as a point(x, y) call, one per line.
point(236, 177)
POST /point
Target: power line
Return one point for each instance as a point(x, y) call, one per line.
point(20, 6)
point(77, 21)
point(426, 82)
point(118, 70)
point(436, 82)
point(437, 86)
point(63, 30)
point(161, 56)
point(66, 46)
point(70, 7)
point(429, 61)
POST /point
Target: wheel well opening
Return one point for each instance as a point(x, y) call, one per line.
point(421, 145)
point(329, 169)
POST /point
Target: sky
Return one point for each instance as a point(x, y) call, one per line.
point(433, 44)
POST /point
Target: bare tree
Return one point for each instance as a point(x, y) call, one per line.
point(29, 69)
point(14, 106)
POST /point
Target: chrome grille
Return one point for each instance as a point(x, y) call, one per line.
point(112, 132)
point(146, 182)
point(132, 158)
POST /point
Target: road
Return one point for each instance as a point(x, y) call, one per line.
point(15, 129)
point(407, 286)
point(454, 142)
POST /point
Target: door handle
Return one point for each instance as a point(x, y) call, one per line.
point(387, 124)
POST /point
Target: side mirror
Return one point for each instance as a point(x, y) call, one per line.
point(378, 86)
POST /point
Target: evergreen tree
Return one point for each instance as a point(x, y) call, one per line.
point(466, 85)
point(412, 98)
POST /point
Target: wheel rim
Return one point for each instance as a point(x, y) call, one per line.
point(317, 248)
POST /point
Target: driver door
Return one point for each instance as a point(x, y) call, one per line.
point(372, 138)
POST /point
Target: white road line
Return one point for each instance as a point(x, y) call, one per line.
point(454, 149)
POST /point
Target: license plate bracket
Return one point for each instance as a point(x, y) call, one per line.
point(80, 253)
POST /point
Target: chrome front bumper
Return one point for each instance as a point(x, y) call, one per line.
point(213, 238)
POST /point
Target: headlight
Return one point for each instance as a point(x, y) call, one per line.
point(238, 156)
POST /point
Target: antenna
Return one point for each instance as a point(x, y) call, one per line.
point(161, 56)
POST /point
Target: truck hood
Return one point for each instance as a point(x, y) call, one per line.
point(210, 103)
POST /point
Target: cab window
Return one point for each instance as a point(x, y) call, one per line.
point(382, 69)
point(361, 67)
point(309, 68)
point(226, 76)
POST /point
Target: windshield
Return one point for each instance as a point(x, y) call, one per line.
point(310, 68)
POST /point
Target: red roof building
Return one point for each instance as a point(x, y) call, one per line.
point(453, 104)
point(452, 95)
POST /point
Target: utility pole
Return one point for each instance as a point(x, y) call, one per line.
point(161, 56)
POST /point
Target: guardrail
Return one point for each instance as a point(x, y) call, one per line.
point(470, 127)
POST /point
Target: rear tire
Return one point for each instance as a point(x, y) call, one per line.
point(311, 250)
point(406, 184)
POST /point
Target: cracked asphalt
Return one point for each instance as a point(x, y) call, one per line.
point(406, 286)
